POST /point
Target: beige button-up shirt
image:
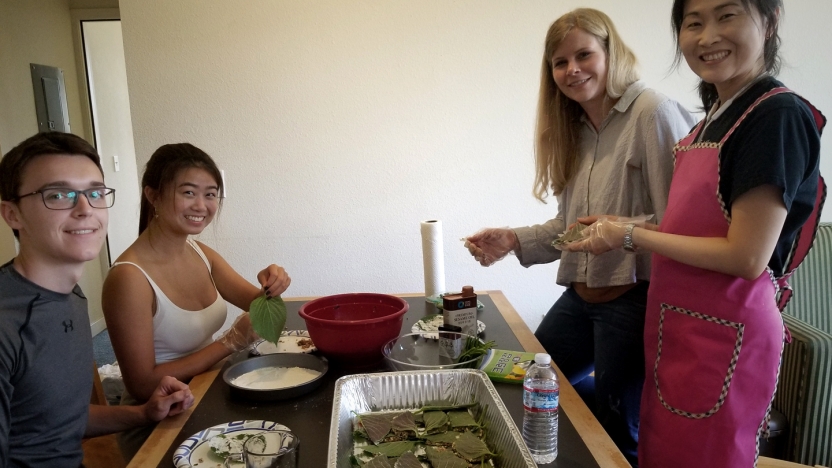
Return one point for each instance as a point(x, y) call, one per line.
point(624, 169)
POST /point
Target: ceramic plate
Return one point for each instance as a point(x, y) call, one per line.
point(194, 451)
point(291, 341)
point(431, 324)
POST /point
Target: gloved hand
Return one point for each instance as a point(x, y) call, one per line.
point(240, 335)
point(491, 244)
point(605, 234)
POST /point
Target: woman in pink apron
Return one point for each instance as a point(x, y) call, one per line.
point(743, 208)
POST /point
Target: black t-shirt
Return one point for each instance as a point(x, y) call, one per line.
point(778, 144)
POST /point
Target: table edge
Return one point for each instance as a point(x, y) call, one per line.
point(599, 443)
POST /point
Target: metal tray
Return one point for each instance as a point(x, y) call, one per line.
point(361, 393)
point(308, 361)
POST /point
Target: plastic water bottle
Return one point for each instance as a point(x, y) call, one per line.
point(541, 393)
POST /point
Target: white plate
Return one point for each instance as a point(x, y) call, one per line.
point(195, 453)
point(289, 342)
point(430, 325)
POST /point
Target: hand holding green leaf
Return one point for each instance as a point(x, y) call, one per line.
point(268, 317)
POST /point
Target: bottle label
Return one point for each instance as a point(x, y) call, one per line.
point(539, 400)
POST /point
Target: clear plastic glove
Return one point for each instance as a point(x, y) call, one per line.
point(491, 244)
point(605, 234)
point(240, 335)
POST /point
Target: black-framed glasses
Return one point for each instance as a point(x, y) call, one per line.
point(66, 199)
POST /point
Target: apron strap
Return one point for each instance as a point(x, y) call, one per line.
point(806, 235)
point(762, 98)
point(801, 246)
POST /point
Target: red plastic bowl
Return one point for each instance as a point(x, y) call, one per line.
point(352, 328)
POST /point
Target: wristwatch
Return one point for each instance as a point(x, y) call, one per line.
point(628, 238)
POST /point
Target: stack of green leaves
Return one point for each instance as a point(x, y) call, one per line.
point(576, 233)
point(474, 348)
point(439, 436)
point(268, 317)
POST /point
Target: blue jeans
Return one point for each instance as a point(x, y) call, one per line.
point(607, 338)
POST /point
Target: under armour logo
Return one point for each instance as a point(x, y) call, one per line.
point(68, 326)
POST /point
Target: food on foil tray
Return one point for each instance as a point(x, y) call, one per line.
point(431, 436)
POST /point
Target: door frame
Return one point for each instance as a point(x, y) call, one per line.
point(79, 15)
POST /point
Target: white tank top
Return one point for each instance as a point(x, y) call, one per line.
point(178, 332)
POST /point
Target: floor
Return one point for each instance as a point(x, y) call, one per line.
point(103, 349)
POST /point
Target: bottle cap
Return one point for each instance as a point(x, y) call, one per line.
point(542, 359)
point(467, 290)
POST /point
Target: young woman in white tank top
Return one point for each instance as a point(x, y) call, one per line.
point(165, 296)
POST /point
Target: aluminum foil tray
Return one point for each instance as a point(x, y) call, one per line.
point(391, 391)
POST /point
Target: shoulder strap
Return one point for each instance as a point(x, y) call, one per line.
point(201, 254)
point(762, 98)
point(156, 289)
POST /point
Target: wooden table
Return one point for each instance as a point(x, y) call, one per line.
point(582, 441)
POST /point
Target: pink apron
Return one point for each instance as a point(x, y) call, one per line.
point(712, 342)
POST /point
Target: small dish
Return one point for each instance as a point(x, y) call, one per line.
point(287, 360)
point(429, 326)
point(195, 453)
point(291, 341)
point(418, 351)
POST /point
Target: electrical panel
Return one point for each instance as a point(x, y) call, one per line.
point(50, 98)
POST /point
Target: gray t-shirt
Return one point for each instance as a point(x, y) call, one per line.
point(624, 169)
point(45, 373)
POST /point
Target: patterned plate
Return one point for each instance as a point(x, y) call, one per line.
point(431, 324)
point(195, 453)
point(291, 341)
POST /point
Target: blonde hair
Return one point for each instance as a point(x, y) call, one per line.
point(557, 136)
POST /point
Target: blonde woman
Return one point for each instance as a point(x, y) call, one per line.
point(603, 145)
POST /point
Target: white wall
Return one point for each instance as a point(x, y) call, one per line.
point(341, 125)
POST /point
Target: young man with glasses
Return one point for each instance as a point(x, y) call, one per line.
point(52, 195)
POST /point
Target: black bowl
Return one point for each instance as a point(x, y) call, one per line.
point(307, 361)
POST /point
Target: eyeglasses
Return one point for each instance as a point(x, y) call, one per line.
point(66, 199)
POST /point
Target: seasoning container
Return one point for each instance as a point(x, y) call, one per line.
point(451, 344)
point(461, 310)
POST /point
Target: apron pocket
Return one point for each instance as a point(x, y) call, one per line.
point(695, 361)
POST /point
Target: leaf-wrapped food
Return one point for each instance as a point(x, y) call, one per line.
point(408, 460)
point(435, 420)
point(442, 438)
point(391, 449)
point(377, 425)
point(404, 422)
point(441, 458)
point(471, 447)
point(379, 461)
point(461, 418)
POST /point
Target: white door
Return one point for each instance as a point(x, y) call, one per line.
point(113, 128)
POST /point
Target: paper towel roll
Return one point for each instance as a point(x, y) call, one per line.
point(433, 257)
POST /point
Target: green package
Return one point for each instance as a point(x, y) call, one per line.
point(506, 366)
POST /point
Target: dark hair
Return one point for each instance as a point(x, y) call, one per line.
point(768, 9)
point(40, 144)
point(163, 167)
